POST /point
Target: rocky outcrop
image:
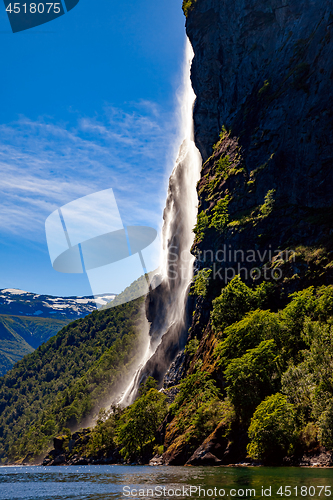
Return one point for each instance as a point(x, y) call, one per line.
point(71, 451)
point(177, 453)
point(156, 461)
point(315, 457)
point(222, 447)
point(320, 458)
point(175, 372)
point(212, 450)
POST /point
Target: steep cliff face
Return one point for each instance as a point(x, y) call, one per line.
point(262, 73)
point(241, 45)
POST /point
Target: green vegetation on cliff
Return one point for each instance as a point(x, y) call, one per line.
point(122, 434)
point(139, 422)
point(188, 6)
point(276, 367)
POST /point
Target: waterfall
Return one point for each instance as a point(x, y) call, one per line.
point(166, 304)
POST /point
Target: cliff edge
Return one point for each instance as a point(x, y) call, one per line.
point(262, 73)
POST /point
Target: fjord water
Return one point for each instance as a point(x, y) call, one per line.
point(107, 482)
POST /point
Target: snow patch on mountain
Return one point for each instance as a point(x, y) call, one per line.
point(18, 302)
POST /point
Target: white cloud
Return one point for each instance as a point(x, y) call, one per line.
point(44, 165)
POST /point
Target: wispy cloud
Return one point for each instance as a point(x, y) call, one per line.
point(44, 165)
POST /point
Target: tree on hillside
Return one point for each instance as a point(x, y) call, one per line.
point(139, 423)
point(272, 429)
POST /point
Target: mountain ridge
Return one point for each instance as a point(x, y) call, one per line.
point(34, 304)
point(28, 319)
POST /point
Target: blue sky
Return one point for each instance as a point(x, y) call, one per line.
point(88, 102)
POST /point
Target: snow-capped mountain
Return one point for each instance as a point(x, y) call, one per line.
point(28, 319)
point(20, 303)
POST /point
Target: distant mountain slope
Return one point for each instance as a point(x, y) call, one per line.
point(20, 336)
point(35, 331)
point(12, 346)
point(65, 380)
point(20, 303)
point(27, 320)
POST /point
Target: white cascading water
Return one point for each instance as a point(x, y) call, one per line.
point(176, 261)
point(181, 210)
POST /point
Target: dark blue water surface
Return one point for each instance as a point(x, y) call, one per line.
point(121, 482)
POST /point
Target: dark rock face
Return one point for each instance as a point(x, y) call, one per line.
point(238, 46)
point(263, 75)
point(166, 364)
point(212, 450)
point(320, 458)
point(58, 443)
point(177, 454)
point(175, 372)
point(264, 69)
